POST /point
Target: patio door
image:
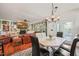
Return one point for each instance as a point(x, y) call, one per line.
point(68, 30)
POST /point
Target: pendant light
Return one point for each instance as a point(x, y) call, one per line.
point(53, 17)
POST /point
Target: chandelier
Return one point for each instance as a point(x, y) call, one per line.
point(53, 17)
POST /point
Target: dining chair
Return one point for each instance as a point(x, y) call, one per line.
point(59, 34)
point(22, 32)
point(36, 49)
point(67, 50)
point(73, 47)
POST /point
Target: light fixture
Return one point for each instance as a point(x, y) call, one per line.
point(22, 24)
point(53, 17)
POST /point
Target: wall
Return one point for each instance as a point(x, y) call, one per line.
point(33, 12)
point(67, 13)
point(36, 12)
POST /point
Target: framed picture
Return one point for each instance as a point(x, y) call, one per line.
point(22, 25)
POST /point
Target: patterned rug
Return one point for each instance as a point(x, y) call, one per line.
point(27, 52)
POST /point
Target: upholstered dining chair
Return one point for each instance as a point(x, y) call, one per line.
point(73, 47)
point(36, 50)
point(67, 50)
point(59, 34)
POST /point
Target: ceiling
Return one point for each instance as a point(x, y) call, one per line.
point(35, 11)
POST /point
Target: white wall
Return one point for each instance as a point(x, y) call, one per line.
point(68, 13)
point(37, 12)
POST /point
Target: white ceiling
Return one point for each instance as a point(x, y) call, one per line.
point(34, 11)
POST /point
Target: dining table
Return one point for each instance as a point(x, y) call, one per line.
point(54, 43)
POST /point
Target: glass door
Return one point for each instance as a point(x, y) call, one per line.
point(68, 30)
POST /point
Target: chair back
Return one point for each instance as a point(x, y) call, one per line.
point(73, 47)
point(67, 49)
point(35, 47)
point(59, 34)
